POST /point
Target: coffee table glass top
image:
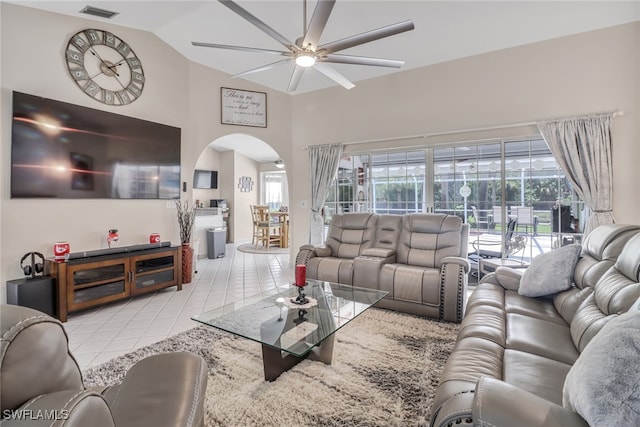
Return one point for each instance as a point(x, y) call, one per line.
point(273, 321)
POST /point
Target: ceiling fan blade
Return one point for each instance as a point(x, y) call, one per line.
point(261, 68)
point(318, 21)
point(367, 37)
point(295, 78)
point(361, 60)
point(257, 22)
point(241, 48)
point(334, 75)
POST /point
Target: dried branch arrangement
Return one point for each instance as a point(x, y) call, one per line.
point(186, 218)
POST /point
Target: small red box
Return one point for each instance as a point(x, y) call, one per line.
point(61, 249)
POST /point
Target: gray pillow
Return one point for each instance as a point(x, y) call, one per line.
point(602, 386)
point(550, 272)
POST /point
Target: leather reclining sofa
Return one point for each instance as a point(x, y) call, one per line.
point(41, 383)
point(419, 258)
point(513, 353)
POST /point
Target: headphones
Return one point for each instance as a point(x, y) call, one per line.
point(34, 268)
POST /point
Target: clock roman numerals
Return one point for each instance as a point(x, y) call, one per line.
point(109, 39)
point(93, 37)
point(104, 67)
point(134, 63)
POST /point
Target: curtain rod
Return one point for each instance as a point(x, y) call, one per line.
point(616, 113)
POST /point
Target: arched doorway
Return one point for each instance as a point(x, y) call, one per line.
point(240, 162)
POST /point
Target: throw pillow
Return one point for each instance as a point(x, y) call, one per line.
point(602, 385)
point(550, 272)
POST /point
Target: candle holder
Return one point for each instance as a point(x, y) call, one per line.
point(300, 317)
point(301, 299)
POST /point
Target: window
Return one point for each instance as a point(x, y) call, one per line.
point(274, 190)
point(485, 184)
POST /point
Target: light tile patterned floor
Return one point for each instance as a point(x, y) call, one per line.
point(101, 334)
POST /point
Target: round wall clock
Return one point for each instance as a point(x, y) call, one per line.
point(104, 67)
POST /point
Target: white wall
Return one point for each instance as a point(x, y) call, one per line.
point(585, 73)
point(183, 94)
point(208, 160)
point(579, 74)
point(243, 226)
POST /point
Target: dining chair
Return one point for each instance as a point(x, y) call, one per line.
point(268, 231)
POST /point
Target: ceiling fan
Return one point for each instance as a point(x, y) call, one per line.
point(307, 52)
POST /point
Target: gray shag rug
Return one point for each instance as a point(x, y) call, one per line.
point(384, 373)
point(251, 249)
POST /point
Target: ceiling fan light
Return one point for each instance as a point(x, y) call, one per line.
point(279, 164)
point(305, 60)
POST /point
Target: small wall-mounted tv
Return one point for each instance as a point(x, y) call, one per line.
point(61, 150)
point(205, 179)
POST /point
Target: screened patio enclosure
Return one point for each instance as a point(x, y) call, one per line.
point(486, 184)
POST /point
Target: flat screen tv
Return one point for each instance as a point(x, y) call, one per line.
point(61, 150)
point(205, 179)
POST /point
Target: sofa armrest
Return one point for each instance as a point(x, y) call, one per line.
point(497, 404)
point(72, 408)
point(309, 251)
point(380, 253)
point(453, 285)
point(456, 411)
point(507, 277)
point(166, 389)
point(462, 262)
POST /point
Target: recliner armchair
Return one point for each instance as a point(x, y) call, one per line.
point(41, 383)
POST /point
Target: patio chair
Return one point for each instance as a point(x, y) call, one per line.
point(511, 244)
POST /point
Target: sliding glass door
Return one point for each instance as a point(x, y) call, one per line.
point(506, 190)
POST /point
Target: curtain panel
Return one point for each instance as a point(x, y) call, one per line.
point(323, 165)
point(582, 147)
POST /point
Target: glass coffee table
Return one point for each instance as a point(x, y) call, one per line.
point(290, 333)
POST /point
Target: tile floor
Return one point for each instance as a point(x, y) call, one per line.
point(100, 334)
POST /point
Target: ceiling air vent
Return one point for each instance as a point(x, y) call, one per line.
point(90, 10)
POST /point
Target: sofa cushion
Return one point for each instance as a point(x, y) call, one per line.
point(425, 239)
point(350, 234)
point(331, 269)
point(536, 374)
point(551, 272)
point(542, 337)
point(602, 386)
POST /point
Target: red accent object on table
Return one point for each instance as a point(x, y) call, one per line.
point(154, 238)
point(61, 249)
point(301, 275)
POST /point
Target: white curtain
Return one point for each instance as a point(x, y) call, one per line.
point(323, 165)
point(582, 148)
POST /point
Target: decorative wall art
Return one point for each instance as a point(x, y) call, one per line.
point(243, 107)
point(246, 184)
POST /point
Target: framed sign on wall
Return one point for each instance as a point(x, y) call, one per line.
point(243, 107)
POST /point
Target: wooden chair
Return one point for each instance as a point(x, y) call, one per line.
point(267, 231)
point(254, 220)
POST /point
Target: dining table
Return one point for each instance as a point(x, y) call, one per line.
point(283, 219)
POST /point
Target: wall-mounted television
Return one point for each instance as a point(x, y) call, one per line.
point(205, 179)
point(61, 150)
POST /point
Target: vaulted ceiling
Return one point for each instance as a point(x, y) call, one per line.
point(444, 30)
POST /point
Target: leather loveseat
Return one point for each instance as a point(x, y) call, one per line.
point(419, 258)
point(513, 353)
point(41, 383)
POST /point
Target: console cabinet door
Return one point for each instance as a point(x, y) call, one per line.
point(154, 271)
point(96, 283)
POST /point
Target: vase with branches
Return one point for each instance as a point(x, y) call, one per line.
point(186, 217)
